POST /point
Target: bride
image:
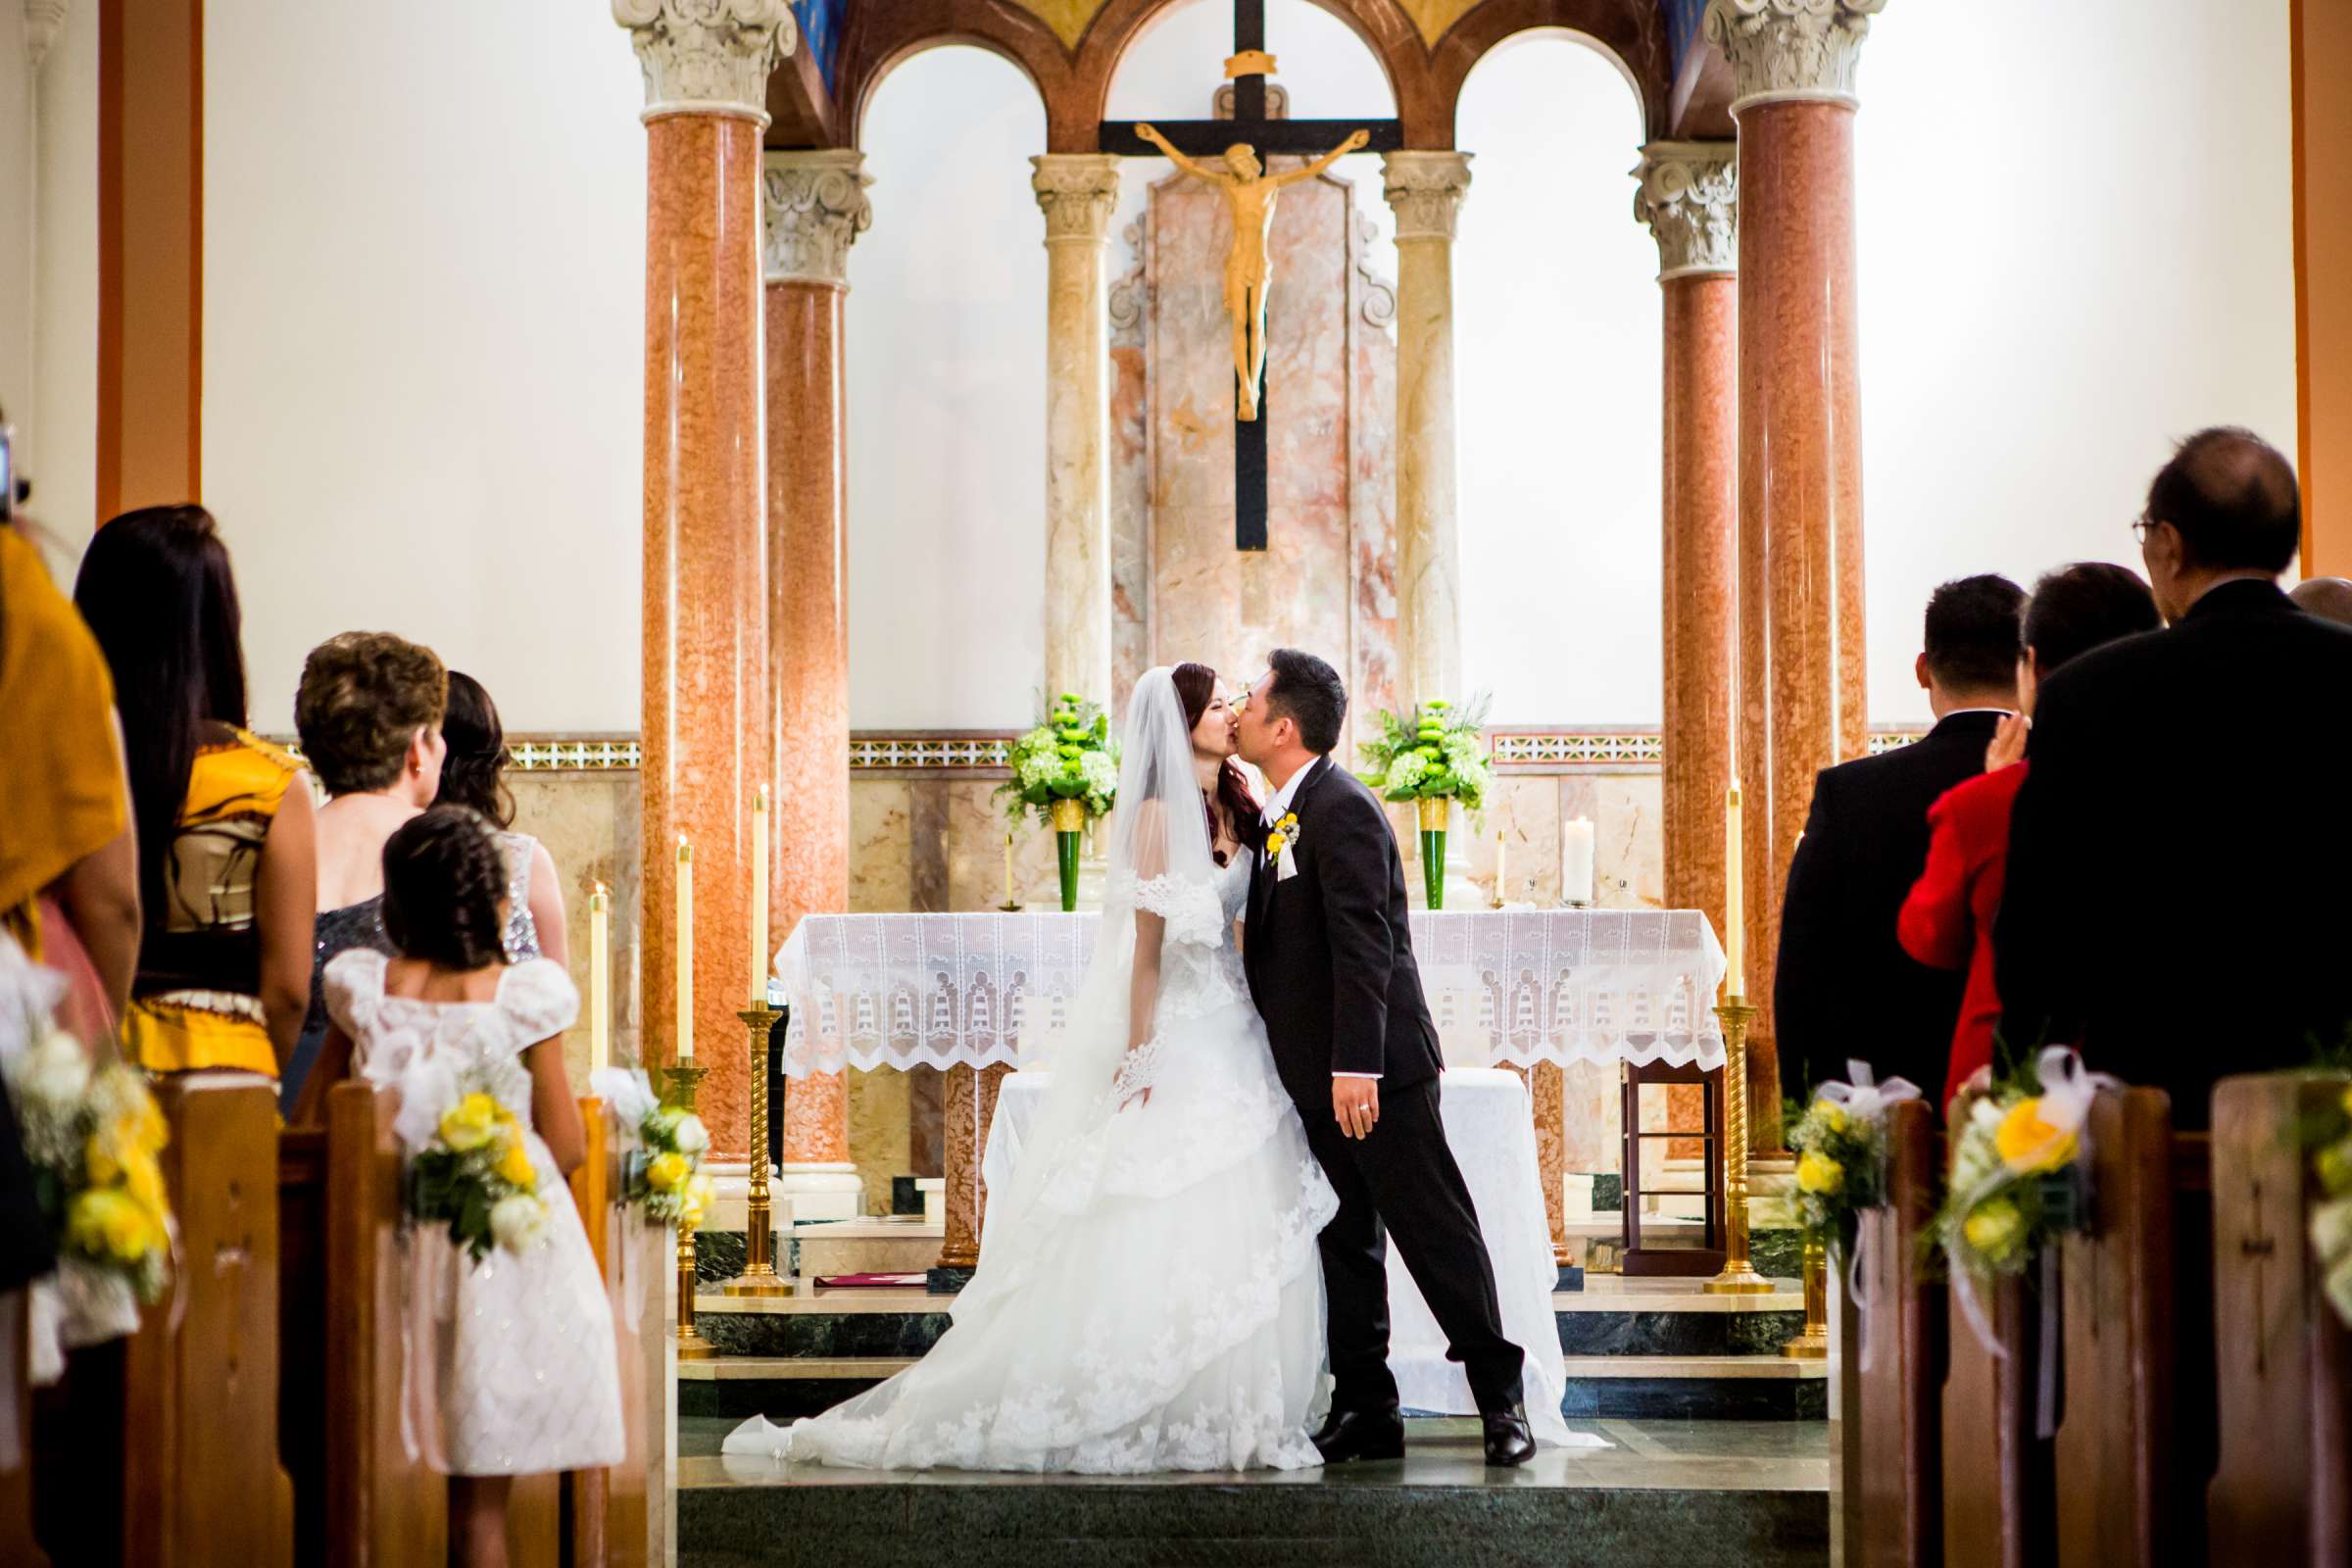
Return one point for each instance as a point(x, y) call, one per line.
point(1149, 1297)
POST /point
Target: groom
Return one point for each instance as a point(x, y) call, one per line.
point(1331, 968)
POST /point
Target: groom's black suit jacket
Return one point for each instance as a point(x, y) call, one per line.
point(1329, 955)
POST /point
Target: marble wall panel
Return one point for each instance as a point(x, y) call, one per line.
point(881, 846)
point(589, 824)
point(880, 1132)
point(1130, 478)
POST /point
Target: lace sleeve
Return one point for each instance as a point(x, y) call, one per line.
point(354, 983)
point(1189, 906)
point(539, 999)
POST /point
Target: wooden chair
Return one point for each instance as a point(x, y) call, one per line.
point(2282, 1492)
point(163, 1447)
point(2134, 1299)
point(362, 1502)
point(1891, 1442)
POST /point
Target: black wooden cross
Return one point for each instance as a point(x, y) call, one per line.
point(1209, 138)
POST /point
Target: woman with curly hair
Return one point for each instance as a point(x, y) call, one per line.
point(473, 776)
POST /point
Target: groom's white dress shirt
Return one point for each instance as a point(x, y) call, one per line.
point(1275, 810)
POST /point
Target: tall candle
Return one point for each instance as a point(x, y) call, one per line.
point(1576, 861)
point(1009, 900)
point(760, 957)
point(1503, 880)
point(685, 953)
point(600, 980)
point(1735, 899)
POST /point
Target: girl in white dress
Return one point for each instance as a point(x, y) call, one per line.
point(1148, 1297)
point(526, 1365)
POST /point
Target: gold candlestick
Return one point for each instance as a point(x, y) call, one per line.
point(759, 1276)
point(1812, 1344)
point(1738, 1276)
point(692, 1346)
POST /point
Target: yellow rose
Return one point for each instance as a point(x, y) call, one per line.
point(1275, 843)
point(2028, 1145)
point(2348, 1101)
point(515, 1166)
point(468, 1125)
point(1833, 1115)
point(143, 1180)
point(666, 1171)
point(1816, 1172)
point(1991, 1226)
point(106, 1223)
point(694, 1202)
point(2335, 1167)
point(98, 1159)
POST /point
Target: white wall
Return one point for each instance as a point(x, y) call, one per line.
point(1557, 387)
point(17, 217)
point(945, 343)
point(59, 431)
point(2074, 246)
point(423, 352)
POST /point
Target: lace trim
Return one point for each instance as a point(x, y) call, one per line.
point(1138, 1071)
point(1190, 907)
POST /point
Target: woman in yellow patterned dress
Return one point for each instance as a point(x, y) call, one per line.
point(226, 872)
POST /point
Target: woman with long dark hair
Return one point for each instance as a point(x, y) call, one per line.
point(1225, 796)
point(226, 840)
point(473, 776)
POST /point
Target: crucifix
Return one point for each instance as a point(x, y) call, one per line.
point(1235, 150)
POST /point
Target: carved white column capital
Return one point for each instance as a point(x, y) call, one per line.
point(1077, 192)
point(42, 19)
point(1790, 50)
point(1426, 188)
point(707, 57)
point(812, 209)
point(1690, 197)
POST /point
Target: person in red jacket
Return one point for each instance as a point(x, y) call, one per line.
point(1946, 922)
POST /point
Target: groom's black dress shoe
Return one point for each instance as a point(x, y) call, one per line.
point(1508, 1440)
point(1361, 1435)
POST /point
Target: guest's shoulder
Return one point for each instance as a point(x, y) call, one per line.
point(1981, 804)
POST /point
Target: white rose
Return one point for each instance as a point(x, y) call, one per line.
point(691, 1136)
point(2331, 1230)
point(59, 1073)
point(517, 1221)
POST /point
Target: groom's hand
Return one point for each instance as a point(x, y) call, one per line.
point(1355, 1104)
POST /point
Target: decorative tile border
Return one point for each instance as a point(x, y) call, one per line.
point(931, 751)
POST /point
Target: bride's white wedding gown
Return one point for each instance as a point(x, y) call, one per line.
point(1158, 1303)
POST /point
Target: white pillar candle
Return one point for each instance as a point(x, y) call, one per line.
point(685, 939)
point(600, 979)
point(760, 957)
point(1576, 861)
point(1503, 880)
point(1735, 901)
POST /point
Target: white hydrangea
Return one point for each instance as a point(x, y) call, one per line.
point(517, 1221)
point(1407, 771)
point(691, 1136)
point(1101, 774)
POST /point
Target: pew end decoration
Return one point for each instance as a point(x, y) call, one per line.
point(92, 1138)
point(2330, 1140)
point(1433, 758)
point(2018, 1152)
point(1066, 771)
point(663, 1168)
point(470, 1172)
point(1840, 1144)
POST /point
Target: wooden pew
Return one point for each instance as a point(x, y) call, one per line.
point(2135, 1300)
point(17, 1544)
point(2281, 1493)
point(615, 1517)
point(1891, 1442)
point(163, 1447)
point(360, 1500)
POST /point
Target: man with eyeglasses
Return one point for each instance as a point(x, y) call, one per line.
point(2177, 855)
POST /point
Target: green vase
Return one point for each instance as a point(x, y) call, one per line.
point(1069, 836)
point(1436, 816)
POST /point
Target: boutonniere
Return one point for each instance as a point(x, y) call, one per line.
point(1281, 844)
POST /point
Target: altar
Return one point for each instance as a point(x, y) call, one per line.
point(979, 993)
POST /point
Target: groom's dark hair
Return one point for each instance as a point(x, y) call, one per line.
point(1307, 692)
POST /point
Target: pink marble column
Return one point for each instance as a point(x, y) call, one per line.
point(1800, 439)
point(706, 743)
point(816, 208)
point(1690, 198)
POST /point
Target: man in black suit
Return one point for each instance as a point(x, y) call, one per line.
point(1843, 988)
point(1330, 960)
point(2177, 855)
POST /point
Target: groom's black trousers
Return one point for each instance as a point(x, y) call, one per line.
point(1401, 1181)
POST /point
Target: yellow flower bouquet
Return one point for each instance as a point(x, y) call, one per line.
point(473, 1175)
point(665, 1177)
point(1841, 1146)
point(94, 1139)
point(2331, 1146)
point(2015, 1179)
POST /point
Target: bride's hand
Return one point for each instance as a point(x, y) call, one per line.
point(1137, 1101)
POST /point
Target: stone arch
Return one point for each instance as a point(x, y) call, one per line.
point(881, 37)
point(1631, 31)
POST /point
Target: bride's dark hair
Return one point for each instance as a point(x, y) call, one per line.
point(1196, 685)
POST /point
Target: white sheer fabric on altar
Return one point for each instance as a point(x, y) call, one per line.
point(1517, 986)
point(1150, 1297)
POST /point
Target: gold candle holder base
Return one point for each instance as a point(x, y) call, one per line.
point(1738, 1276)
point(1812, 1343)
point(758, 1277)
point(684, 1081)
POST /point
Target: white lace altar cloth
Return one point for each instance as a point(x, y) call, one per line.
point(1491, 1132)
point(1516, 986)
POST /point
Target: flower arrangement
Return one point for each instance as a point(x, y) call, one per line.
point(1841, 1146)
point(473, 1174)
point(93, 1138)
point(2012, 1183)
point(1069, 757)
point(666, 1179)
point(1433, 756)
point(2331, 1143)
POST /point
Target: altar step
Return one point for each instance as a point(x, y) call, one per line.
point(1634, 1348)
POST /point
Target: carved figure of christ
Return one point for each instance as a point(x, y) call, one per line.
point(1250, 194)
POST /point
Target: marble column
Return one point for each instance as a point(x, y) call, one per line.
point(813, 211)
point(706, 743)
point(1077, 192)
point(1690, 198)
point(1426, 189)
point(1800, 438)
